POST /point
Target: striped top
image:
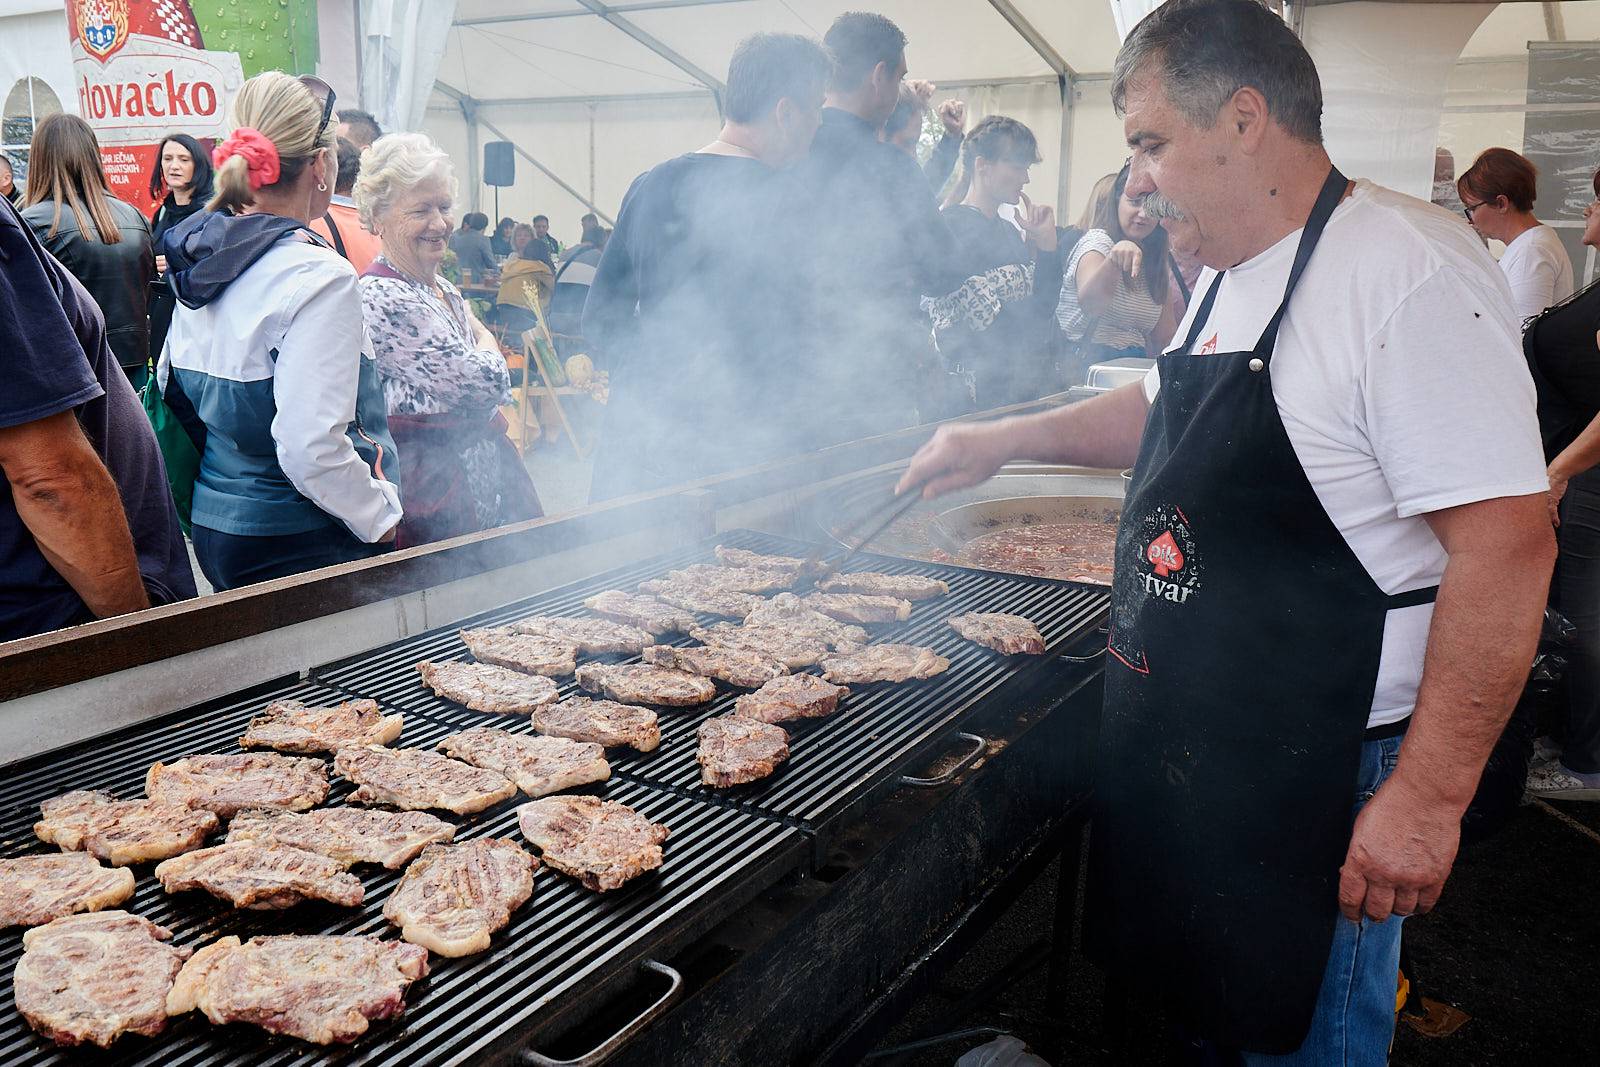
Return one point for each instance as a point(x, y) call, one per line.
point(1133, 314)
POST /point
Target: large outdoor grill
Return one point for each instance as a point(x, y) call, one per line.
point(569, 952)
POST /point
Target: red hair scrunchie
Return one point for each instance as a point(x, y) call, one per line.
point(260, 155)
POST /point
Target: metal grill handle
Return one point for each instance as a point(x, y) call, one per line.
point(604, 1051)
point(979, 747)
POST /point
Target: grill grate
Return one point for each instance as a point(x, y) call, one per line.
point(833, 762)
point(563, 937)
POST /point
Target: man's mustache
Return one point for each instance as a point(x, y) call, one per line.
point(1158, 207)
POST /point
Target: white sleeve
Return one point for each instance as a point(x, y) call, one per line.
point(1447, 399)
point(314, 388)
point(1152, 383)
point(1533, 284)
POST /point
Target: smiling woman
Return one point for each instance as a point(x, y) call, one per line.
point(444, 376)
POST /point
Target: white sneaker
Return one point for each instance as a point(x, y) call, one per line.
point(1552, 781)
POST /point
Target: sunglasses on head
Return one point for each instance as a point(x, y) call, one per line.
point(324, 92)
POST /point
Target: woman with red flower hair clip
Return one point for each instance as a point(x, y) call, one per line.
point(268, 363)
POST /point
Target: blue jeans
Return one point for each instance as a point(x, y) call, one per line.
point(231, 560)
point(1354, 1022)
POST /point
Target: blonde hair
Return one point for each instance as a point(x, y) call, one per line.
point(393, 165)
point(286, 112)
point(1099, 196)
point(64, 168)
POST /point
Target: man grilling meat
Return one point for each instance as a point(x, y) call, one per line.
point(1338, 480)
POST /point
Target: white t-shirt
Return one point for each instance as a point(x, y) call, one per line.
point(1538, 270)
point(1400, 381)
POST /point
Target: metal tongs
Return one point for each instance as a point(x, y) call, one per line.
point(895, 507)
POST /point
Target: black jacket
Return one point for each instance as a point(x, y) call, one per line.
point(117, 276)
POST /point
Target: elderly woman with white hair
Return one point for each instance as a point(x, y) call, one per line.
point(444, 376)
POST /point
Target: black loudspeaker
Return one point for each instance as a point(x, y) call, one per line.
point(499, 163)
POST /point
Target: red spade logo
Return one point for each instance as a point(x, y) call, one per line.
point(1165, 555)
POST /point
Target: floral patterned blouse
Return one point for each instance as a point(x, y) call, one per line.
point(427, 353)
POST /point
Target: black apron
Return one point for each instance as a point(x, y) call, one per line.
point(1243, 659)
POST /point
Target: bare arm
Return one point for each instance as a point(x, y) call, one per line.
point(1100, 432)
point(1484, 633)
point(66, 498)
point(1098, 276)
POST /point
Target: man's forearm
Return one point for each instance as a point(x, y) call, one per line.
point(75, 516)
point(1104, 431)
point(1484, 634)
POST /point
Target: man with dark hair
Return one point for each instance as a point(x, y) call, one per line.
point(873, 243)
point(541, 233)
point(8, 182)
point(693, 301)
point(341, 225)
point(1343, 432)
point(358, 127)
point(471, 245)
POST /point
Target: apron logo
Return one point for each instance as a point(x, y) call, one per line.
point(1165, 555)
point(1209, 348)
point(1168, 565)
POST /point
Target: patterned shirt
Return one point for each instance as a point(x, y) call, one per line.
point(1133, 312)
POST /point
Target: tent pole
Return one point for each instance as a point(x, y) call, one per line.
point(469, 110)
point(548, 173)
point(1064, 163)
point(657, 46)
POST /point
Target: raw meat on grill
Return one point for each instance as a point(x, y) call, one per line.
point(295, 726)
point(1008, 634)
point(794, 696)
point(645, 612)
point(349, 835)
point(318, 988)
point(96, 977)
point(884, 663)
point(262, 877)
point(485, 687)
point(859, 607)
point(538, 765)
point(604, 722)
point(599, 842)
point(231, 783)
point(734, 666)
point(791, 613)
point(735, 749)
point(644, 683)
point(792, 648)
point(592, 636)
point(504, 647)
point(415, 779)
point(454, 896)
point(703, 599)
point(36, 889)
point(734, 579)
point(905, 586)
point(740, 557)
point(121, 832)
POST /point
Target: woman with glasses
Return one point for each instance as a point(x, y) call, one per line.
point(1563, 350)
point(997, 326)
point(267, 360)
point(1497, 194)
point(1114, 300)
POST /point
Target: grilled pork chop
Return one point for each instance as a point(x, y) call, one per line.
point(884, 663)
point(794, 649)
point(1007, 634)
point(733, 579)
point(320, 989)
point(646, 612)
point(504, 647)
point(599, 842)
point(603, 722)
point(295, 726)
point(413, 778)
point(96, 977)
point(454, 896)
point(121, 832)
point(735, 749)
point(858, 607)
point(734, 666)
point(262, 877)
point(905, 586)
point(644, 683)
point(794, 696)
point(704, 599)
point(349, 835)
point(791, 613)
point(37, 889)
point(229, 784)
point(592, 636)
point(485, 687)
point(538, 765)
point(740, 557)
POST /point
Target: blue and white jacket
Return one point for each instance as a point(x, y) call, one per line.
point(269, 365)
